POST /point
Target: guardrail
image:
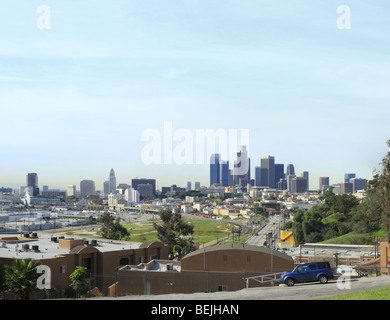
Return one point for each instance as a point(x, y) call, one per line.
point(265, 278)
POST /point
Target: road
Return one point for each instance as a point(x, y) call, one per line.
point(261, 235)
point(304, 291)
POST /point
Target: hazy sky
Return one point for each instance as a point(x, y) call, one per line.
point(76, 98)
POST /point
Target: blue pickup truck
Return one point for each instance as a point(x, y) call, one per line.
point(315, 271)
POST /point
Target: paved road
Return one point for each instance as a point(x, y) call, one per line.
point(305, 291)
point(261, 236)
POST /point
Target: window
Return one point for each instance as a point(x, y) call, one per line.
point(302, 269)
point(222, 288)
point(62, 269)
point(323, 265)
point(154, 257)
point(123, 261)
point(312, 267)
point(140, 259)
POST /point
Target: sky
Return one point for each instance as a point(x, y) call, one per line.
point(90, 86)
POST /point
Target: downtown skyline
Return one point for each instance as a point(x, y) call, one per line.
point(75, 99)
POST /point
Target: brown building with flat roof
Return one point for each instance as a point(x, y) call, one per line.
point(101, 258)
point(218, 268)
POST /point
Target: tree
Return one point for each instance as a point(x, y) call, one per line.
point(21, 278)
point(175, 232)
point(80, 282)
point(112, 228)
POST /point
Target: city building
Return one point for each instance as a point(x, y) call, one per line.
point(279, 173)
point(136, 182)
point(132, 195)
point(298, 185)
point(210, 269)
point(323, 182)
point(346, 187)
point(189, 185)
point(267, 165)
point(112, 180)
point(63, 254)
point(358, 184)
point(241, 170)
point(305, 174)
point(348, 177)
point(70, 190)
point(87, 188)
point(32, 181)
point(197, 185)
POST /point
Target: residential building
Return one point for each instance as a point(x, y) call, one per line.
point(63, 254)
point(132, 195)
point(346, 187)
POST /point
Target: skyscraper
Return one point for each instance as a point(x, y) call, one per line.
point(241, 171)
point(348, 177)
point(324, 181)
point(214, 169)
point(279, 172)
point(112, 179)
point(32, 181)
point(87, 188)
point(268, 176)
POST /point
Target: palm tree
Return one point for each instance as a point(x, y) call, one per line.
point(21, 278)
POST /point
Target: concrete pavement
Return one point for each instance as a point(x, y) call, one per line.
point(306, 291)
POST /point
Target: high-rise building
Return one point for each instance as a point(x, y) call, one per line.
point(135, 183)
point(346, 187)
point(32, 181)
point(70, 190)
point(323, 181)
point(267, 165)
point(241, 171)
point(219, 170)
point(290, 174)
point(214, 169)
point(112, 179)
point(279, 172)
point(197, 185)
point(348, 177)
point(189, 186)
point(358, 184)
point(87, 188)
point(106, 188)
point(132, 195)
point(298, 185)
point(305, 174)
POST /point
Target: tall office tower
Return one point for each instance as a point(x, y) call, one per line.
point(268, 163)
point(32, 181)
point(241, 170)
point(189, 186)
point(87, 188)
point(305, 174)
point(197, 185)
point(258, 176)
point(298, 185)
point(224, 173)
point(70, 190)
point(348, 177)
point(290, 170)
point(324, 181)
point(137, 182)
point(346, 187)
point(106, 188)
point(214, 168)
point(112, 179)
point(279, 172)
point(358, 184)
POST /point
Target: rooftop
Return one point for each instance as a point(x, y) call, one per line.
point(46, 246)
